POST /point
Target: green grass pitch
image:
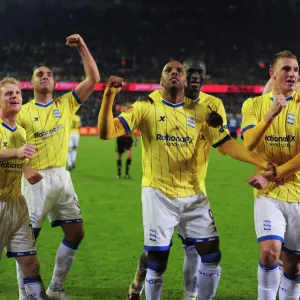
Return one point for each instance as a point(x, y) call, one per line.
point(106, 261)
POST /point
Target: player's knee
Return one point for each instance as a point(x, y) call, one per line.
point(211, 258)
point(75, 236)
point(269, 255)
point(291, 264)
point(158, 261)
point(29, 265)
point(206, 248)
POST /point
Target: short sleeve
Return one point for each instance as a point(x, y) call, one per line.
point(132, 117)
point(249, 119)
point(73, 101)
point(217, 136)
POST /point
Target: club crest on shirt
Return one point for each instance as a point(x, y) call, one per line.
point(56, 113)
point(191, 122)
point(290, 119)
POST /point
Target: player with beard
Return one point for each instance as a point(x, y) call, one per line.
point(171, 126)
point(47, 123)
point(196, 72)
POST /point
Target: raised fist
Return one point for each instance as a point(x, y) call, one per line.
point(114, 85)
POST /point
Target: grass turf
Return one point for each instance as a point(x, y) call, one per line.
point(106, 261)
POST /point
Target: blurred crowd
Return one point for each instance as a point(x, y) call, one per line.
point(135, 41)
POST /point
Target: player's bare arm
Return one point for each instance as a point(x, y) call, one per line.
point(254, 136)
point(26, 151)
point(87, 86)
point(108, 126)
point(32, 176)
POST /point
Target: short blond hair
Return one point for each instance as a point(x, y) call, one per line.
point(279, 55)
point(9, 80)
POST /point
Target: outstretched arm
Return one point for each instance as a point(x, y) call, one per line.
point(108, 126)
point(92, 76)
point(239, 152)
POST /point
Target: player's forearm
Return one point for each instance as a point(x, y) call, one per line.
point(239, 152)
point(108, 127)
point(289, 168)
point(268, 87)
point(92, 76)
point(254, 136)
point(90, 66)
point(6, 155)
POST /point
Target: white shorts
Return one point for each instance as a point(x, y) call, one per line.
point(191, 215)
point(74, 140)
point(54, 196)
point(15, 230)
point(278, 220)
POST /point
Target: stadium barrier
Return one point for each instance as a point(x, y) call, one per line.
point(90, 130)
point(149, 87)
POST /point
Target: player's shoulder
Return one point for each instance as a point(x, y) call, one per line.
point(21, 131)
point(296, 95)
point(25, 108)
point(28, 105)
point(207, 99)
point(201, 110)
point(62, 97)
point(254, 101)
point(156, 96)
point(76, 117)
point(152, 99)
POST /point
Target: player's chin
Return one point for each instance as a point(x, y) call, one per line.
point(45, 89)
point(15, 108)
point(193, 87)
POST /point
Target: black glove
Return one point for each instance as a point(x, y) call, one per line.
point(214, 119)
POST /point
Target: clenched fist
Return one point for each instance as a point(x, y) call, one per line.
point(114, 85)
point(75, 41)
point(32, 176)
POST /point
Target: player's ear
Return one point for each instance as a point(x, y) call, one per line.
point(55, 84)
point(160, 82)
point(272, 73)
point(185, 84)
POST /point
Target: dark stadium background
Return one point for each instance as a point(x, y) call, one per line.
point(135, 39)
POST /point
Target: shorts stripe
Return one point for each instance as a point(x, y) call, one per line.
point(157, 248)
point(20, 254)
point(201, 240)
point(290, 251)
point(56, 223)
point(270, 237)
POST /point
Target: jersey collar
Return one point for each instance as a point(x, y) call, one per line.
point(287, 99)
point(172, 104)
point(44, 104)
point(8, 127)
